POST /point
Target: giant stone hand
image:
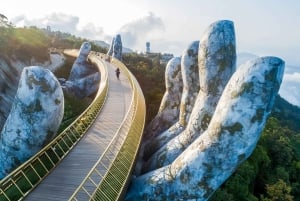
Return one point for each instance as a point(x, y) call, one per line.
point(226, 122)
point(36, 114)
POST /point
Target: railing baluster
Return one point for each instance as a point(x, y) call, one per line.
point(119, 157)
point(58, 145)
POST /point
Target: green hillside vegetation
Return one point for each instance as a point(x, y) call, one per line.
point(73, 107)
point(28, 42)
point(151, 77)
point(32, 42)
point(23, 43)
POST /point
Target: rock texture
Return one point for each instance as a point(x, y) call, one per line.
point(83, 87)
point(226, 122)
point(217, 63)
point(35, 116)
point(81, 67)
point(232, 134)
point(115, 48)
point(110, 50)
point(10, 71)
point(84, 78)
point(168, 111)
point(190, 77)
point(170, 105)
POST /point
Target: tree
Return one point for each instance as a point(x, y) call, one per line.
point(4, 21)
point(279, 191)
point(6, 30)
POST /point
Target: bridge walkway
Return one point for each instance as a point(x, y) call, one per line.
point(65, 178)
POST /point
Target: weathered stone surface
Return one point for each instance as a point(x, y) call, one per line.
point(190, 78)
point(117, 48)
point(217, 62)
point(169, 108)
point(10, 71)
point(168, 111)
point(84, 78)
point(83, 87)
point(232, 134)
point(35, 116)
point(81, 67)
point(110, 50)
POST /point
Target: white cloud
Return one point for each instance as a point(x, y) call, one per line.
point(294, 77)
point(147, 28)
point(289, 89)
point(62, 22)
point(136, 33)
point(91, 31)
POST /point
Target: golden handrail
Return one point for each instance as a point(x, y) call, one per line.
point(26, 177)
point(109, 177)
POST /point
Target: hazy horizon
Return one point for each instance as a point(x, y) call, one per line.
point(263, 28)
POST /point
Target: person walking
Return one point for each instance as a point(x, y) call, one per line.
point(118, 73)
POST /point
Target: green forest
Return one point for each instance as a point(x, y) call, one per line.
point(272, 173)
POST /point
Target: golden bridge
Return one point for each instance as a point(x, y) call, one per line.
point(93, 158)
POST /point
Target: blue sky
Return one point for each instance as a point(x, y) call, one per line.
point(263, 27)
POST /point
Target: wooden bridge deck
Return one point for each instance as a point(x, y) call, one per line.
point(66, 177)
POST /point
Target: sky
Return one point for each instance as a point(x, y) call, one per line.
point(262, 27)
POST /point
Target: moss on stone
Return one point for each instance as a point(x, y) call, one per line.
point(175, 72)
point(190, 52)
point(33, 107)
point(205, 50)
point(30, 81)
point(258, 116)
point(271, 75)
point(205, 121)
point(237, 127)
point(185, 176)
point(161, 160)
point(182, 113)
point(216, 129)
point(205, 187)
point(158, 190)
point(209, 167)
point(214, 86)
point(57, 102)
point(246, 87)
point(225, 61)
point(234, 94)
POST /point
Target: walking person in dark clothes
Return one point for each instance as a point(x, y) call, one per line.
point(118, 72)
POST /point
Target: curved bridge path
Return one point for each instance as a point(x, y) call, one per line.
point(65, 178)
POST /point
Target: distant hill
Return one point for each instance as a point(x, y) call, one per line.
point(287, 113)
point(103, 44)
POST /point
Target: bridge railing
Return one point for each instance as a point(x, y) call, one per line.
point(109, 177)
point(22, 180)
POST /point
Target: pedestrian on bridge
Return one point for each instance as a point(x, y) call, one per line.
point(118, 73)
